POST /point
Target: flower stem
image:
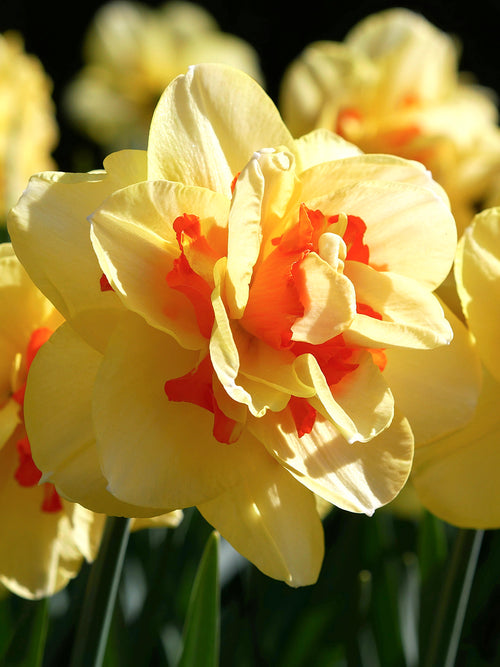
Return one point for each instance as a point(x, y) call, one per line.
point(100, 595)
point(454, 597)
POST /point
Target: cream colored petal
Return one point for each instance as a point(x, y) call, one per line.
point(154, 452)
point(325, 177)
point(410, 229)
point(134, 241)
point(332, 302)
point(411, 315)
point(357, 421)
point(320, 146)
point(51, 236)
point(456, 477)
point(270, 519)
point(261, 197)
point(477, 272)
point(24, 308)
point(37, 553)
point(207, 125)
point(437, 390)
point(358, 477)
point(58, 419)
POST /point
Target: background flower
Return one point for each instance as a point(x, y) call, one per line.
point(455, 477)
point(132, 51)
point(393, 87)
point(28, 129)
point(45, 538)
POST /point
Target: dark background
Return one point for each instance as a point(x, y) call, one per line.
point(278, 31)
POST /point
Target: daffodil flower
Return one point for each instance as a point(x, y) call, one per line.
point(238, 305)
point(393, 86)
point(456, 476)
point(45, 538)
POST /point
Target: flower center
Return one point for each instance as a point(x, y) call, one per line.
point(277, 299)
point(27, 474)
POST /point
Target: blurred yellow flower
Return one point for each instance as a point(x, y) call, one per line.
point(243, 309)
point(28, 130)
point(457, 477)
point(44, 537)
point(132, 52)
point(393, 87)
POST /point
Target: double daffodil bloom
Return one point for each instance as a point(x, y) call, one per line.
point(393, 86)
point(28, 129)
point(131, 52)
point(456, 477)
point(45, 538)
point(243, 311)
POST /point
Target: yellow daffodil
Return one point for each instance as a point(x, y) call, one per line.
point(131, 52)
point(28, 130)
point(243, 313)
point(456, 477)
point(45, 538)
point(393, 87)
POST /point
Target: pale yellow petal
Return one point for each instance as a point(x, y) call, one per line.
point(351, 169)
point(358, 477)
point(61, 431)
point(477, 272)
point(332, 301)
point(270, 519)
point(456, 477)
point(437, 390)
point(410, 229)
point(320, 146)
point(50, 220)
point(357, 421)
point(135, 243)
point(411, 315)
point(37, 553)
point(207, 125)
point(169, 446)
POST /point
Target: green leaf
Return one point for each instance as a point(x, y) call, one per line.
point(100, 595)
point(202, 627)
point(27, 646)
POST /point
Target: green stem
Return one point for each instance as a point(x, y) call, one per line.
point(100, 595)
point(454, 597)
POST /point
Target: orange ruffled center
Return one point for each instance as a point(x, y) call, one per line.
point(277, 298)
point(27, 474)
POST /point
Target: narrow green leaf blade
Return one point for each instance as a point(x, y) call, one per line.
point(201, 638)
point(28, 643)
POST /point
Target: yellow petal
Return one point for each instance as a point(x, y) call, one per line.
point(50, 220)
point(332, 301)
point(456, 477)
point(321, 146)
point(61, 431)
point(207, 125)
point(270, 519)
point(135, 243)
point(437, 390)
point(261, 196)
point(176, 462)
point(350, 170)
point(38, 555)
point(411, 315)
point(353, 476)
point(477, 272)
point(357, 421)
point(410, 229)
